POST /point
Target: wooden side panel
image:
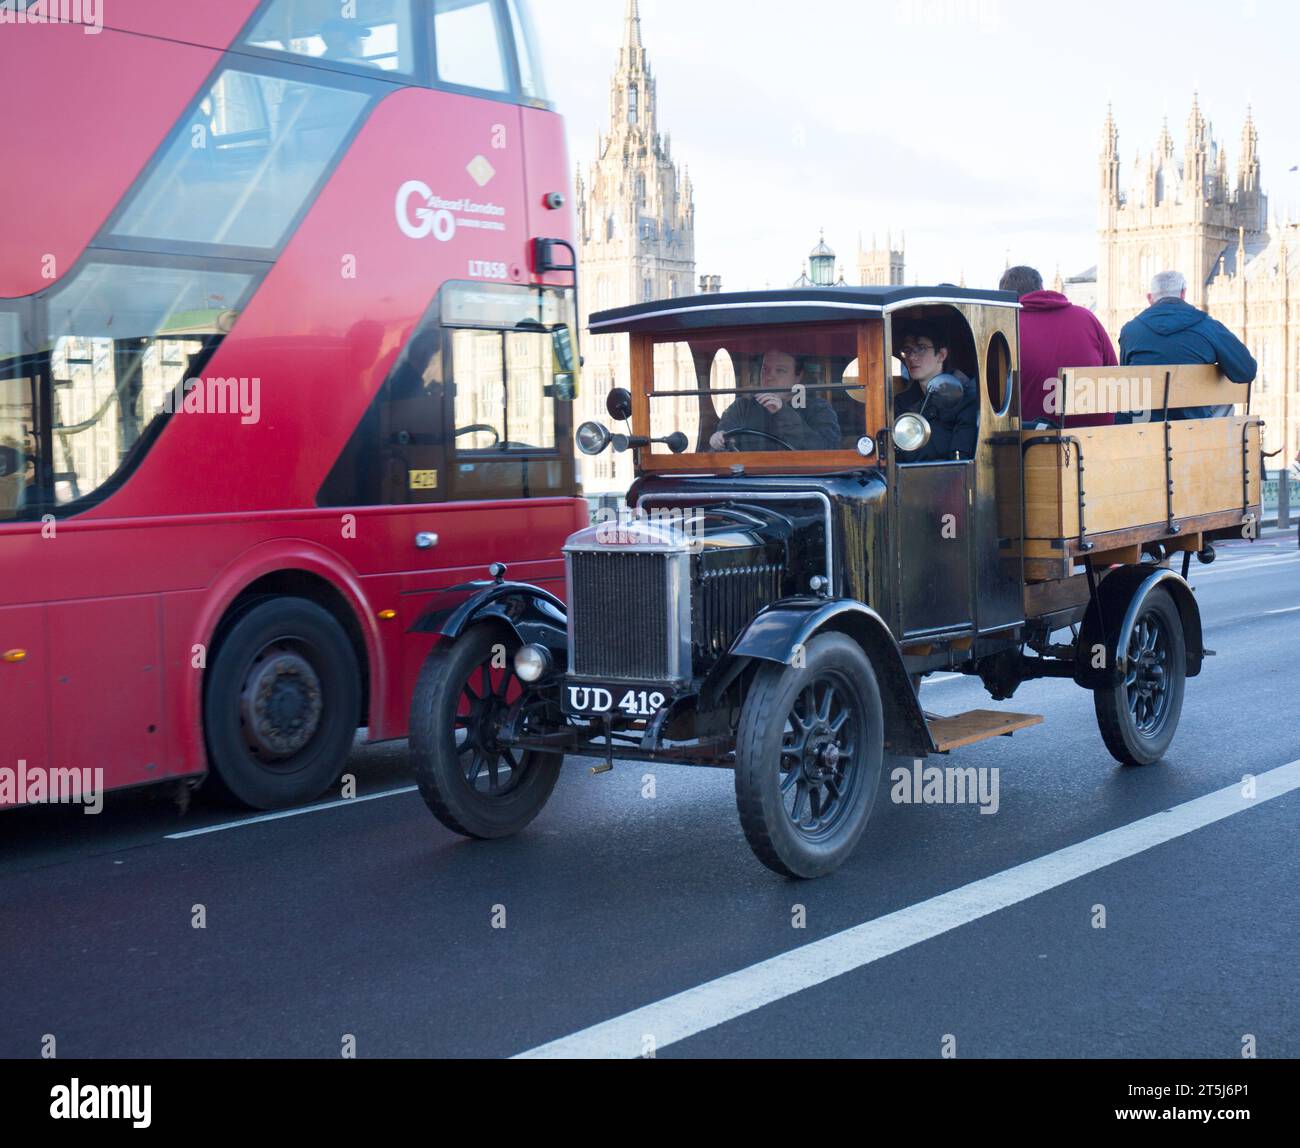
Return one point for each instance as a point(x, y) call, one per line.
point(1207, 465)
point(1124, 484)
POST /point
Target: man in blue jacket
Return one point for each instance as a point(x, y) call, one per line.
point(1172, 331)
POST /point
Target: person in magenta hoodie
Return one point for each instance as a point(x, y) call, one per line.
point(1054, 333)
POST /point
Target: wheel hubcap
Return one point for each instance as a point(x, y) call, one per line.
point(485, 702)
point(1146, 679)
point(819, 757)
point(281, 703)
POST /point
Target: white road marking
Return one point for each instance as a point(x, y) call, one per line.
point(1247, 567)
point(1288, 610)
point(716, 1002)
point(943, 678)
point(289, 813)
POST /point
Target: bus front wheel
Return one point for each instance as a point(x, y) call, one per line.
point(282, 700)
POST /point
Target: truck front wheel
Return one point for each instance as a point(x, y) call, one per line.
point(471, 783)
point(1139, 717)
point(809, 753)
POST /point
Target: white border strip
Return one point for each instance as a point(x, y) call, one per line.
point(716, 1002)
point(777, 304)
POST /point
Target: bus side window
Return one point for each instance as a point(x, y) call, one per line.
point(468, 44)
point(240, 171)
point(531, 81)
point(377, 35)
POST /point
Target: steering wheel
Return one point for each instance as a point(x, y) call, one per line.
point(760, 433)
point(480, 428)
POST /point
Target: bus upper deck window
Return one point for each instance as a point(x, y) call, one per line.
point(240, 170)
point(468, 43)
point(375, 33)
point(531, 80)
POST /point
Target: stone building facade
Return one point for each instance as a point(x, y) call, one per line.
point(1189, 213)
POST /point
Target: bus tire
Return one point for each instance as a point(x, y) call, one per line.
point(281, 704)
point(1139, 717)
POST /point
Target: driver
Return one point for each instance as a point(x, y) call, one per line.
point(345, 41)
point(799, 419)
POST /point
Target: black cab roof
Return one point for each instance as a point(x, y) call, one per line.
point(793, 305)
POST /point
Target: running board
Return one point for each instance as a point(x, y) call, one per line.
point(951, 733)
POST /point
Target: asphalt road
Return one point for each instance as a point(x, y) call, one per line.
point(367, 918)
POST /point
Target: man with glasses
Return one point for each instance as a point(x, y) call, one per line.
point(924, 349)
point(797, 418)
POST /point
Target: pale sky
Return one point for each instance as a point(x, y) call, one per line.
point(972, 125)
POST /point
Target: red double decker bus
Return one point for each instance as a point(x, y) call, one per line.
point(282, 355)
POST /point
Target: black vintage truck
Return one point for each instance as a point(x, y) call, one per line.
point(813, 529)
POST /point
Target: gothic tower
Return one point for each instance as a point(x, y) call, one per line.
point(1177, 215)
point(636, 230)
point(881, 266)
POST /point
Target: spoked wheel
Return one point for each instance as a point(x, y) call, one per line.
point(475, 786)
point(1139, 717)
point(809, 752)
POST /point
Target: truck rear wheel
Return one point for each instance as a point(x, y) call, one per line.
point(1139, 717)
point(809, 753)
point(281, 704)
point(472, 784)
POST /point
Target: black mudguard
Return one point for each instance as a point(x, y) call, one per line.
point(533, 614)
point(1120, 596)
point(778, 632)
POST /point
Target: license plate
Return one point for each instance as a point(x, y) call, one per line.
point(639, 701)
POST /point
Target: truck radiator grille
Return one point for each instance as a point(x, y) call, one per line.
point(623, 626)
point(725, 603)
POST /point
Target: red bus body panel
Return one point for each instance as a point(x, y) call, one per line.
point(92, 112)
point(116, 606)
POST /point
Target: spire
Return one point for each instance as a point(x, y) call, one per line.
point(1165, 144)
point(1249, 137)
point(632, 26)
point(1248, 163)
point(1110, 160)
